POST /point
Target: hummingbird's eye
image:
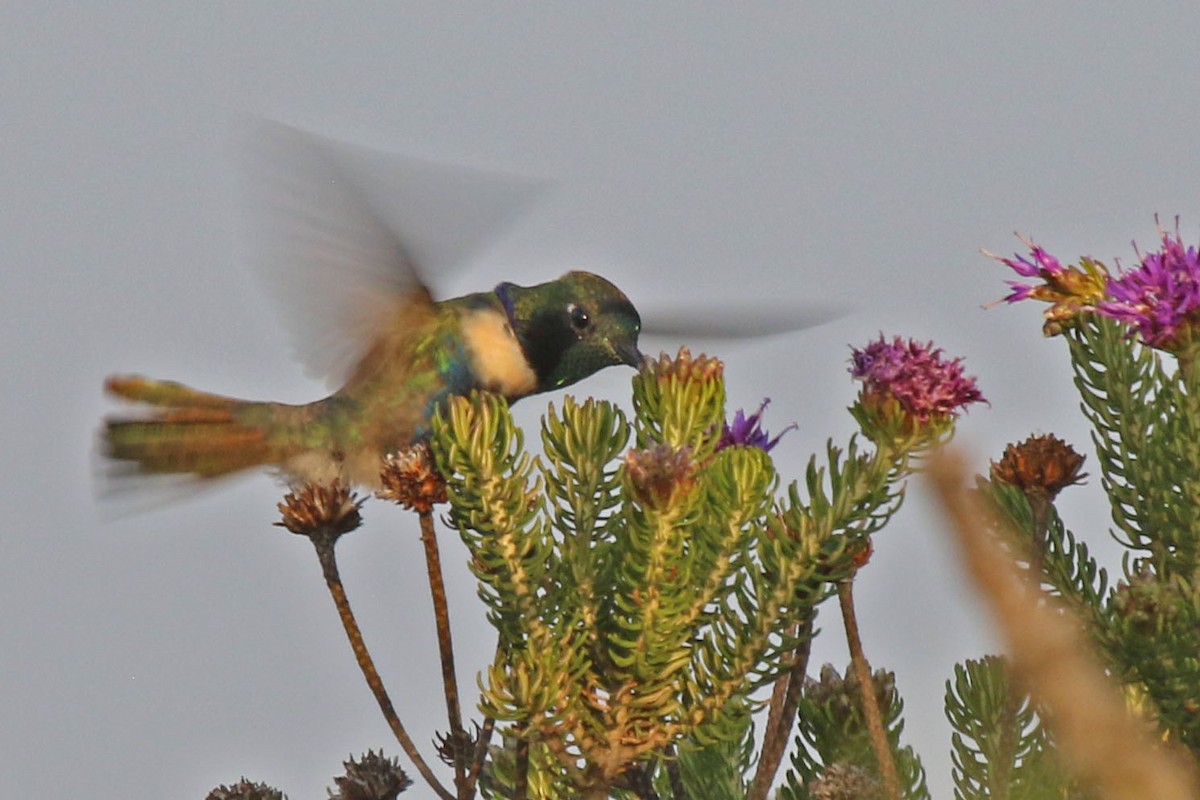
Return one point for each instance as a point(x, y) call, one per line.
point(579, 318)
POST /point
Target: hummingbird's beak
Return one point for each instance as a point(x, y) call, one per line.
point(630, 355)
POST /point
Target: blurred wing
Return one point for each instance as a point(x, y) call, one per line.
point(744, 321)
point(345, 235)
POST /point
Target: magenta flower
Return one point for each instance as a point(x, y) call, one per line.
point(1160, 297)
point(1039, 264)
point(1069, 290)
point(916, 376)
point(747, 431)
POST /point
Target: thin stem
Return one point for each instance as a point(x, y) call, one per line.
point(1039, 507)
point(441, 615)
point(481, 751)
point(521, 776)
point(782, 713)
point(324, 547)
point(870, 703)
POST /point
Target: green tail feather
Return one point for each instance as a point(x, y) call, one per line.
point(186, 431)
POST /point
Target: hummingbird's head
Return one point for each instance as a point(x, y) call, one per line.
point(572, 327)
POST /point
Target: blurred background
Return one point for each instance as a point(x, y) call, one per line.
point(853, 155)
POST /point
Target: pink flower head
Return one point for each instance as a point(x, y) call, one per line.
point(916, 376)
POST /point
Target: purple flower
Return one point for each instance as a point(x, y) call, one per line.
point(747, 431)
point(1070, 290)
point(916, 376)
point(1160, 297)
point(1040, 264)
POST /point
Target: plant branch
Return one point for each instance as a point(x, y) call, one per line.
point(481, 751)
point(441, 613)
point(521, 774)
point(324, 547)
point(870, 702)
point(782, 713)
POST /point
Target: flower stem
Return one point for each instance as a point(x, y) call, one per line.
point(1039, 507)
point(441, 614)
point(870, 703)
point(481, 751)
point(781, 714)
point(324, 547)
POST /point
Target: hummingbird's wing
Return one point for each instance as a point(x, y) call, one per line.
point(731, 320)
point(346, 236)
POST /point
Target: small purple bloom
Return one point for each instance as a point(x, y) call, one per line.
point(1160, 297)
point(1070, 290)
point(1039, 264)
point(747, 431)
point(916, 376)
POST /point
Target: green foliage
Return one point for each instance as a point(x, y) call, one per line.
point(1156, 642)
point(833, 731)
point(998, 747)
point(1068, 569)
point(1144, 408)
point(1146, 429)
point(642, 595)
point(716, 771)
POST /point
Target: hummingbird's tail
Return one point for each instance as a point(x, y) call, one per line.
point(187, 431)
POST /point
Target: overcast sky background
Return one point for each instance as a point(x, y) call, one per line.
point(854, 154)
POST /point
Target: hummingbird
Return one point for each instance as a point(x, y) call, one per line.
point(403, 355)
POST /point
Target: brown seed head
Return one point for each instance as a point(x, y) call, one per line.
point(1145, 602)
point(1040, 465)
point(315, 508)
point(411, 479)
point(245, 790)
point(456, 748)
point(661, 474)
point(840, 693)
point(370, 777)
point(860, 553)
point(844, 781)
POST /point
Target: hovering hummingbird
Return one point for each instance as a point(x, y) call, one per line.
point(402, 354)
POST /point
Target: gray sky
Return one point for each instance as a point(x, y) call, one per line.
point(852, 153)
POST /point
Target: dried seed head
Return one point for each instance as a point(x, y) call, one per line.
point(1040, 465)
point(245, 790)
point(411, 479)
point(661, 474)
point(325, 509)
point(458, 749)
point(1146, 603)
point(840, 693)
point(842, 781)
point(370, 777)
point(860, 552)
